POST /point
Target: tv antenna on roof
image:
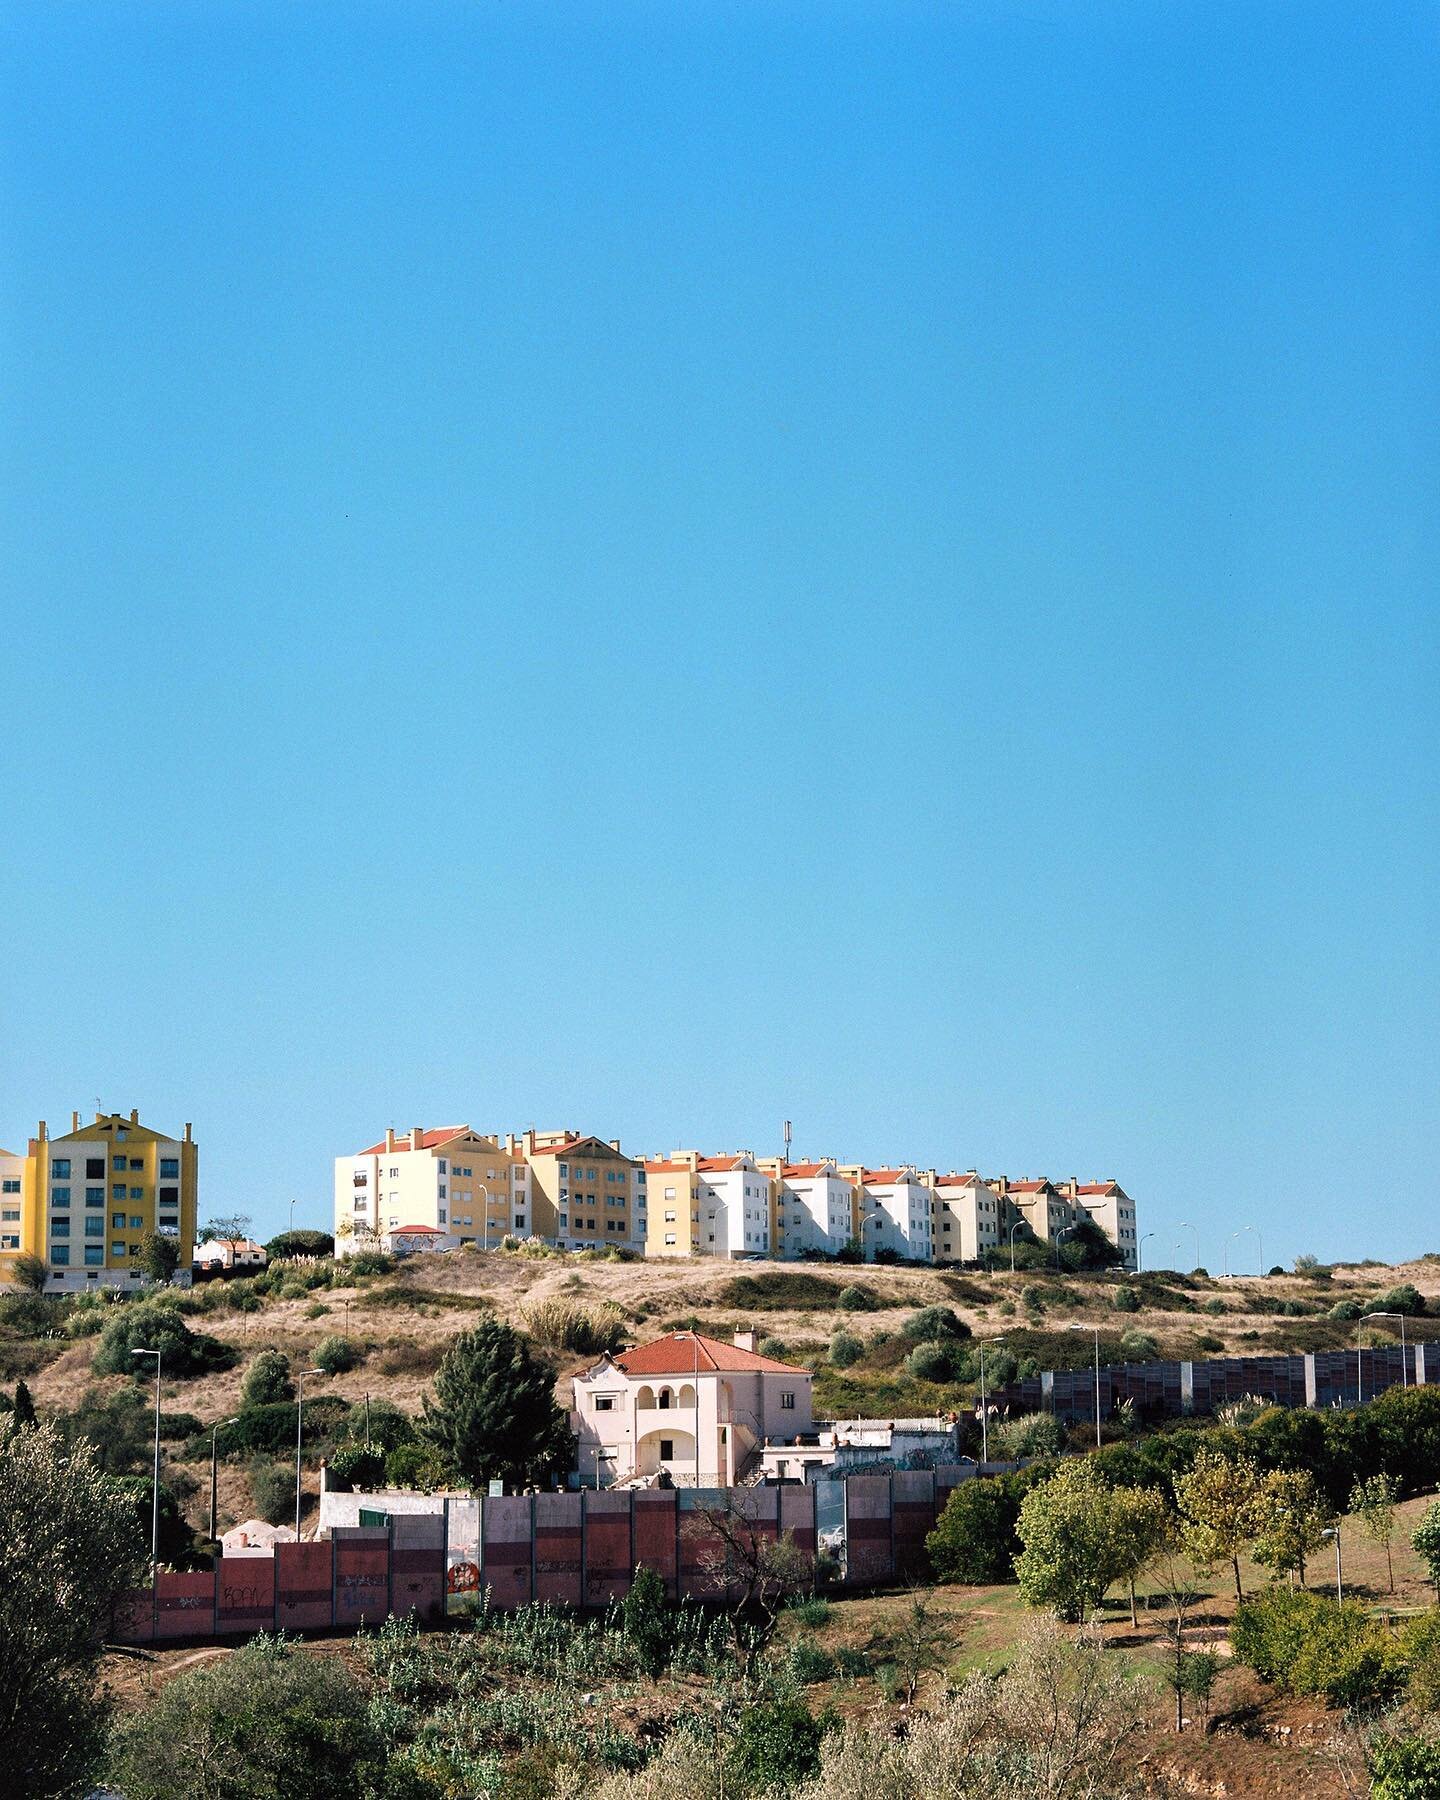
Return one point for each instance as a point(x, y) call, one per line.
point(785, 1154)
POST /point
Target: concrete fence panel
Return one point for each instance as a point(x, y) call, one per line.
point(559, 1548)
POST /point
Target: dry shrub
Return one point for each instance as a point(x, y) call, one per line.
point(587, 1327)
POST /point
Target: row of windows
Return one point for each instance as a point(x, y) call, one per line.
point(95, 1167)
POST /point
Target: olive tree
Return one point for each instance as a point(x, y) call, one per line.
point(69, 1543)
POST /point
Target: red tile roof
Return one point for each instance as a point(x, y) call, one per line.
point(721, 1162)
point(684, 1351)
point(887, 1177)
point(802, 1170)
point(429, 1140)
point(971, 1180)
point(1098, 1187)
point(1028, 1187)
point(668, 1168)
point(415, 1230)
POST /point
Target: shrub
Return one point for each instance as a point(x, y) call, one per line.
point(589, 1328)
point(845, 1350)
point(267, 1380)
point(974, 1539)
point(151, 1325)
point(31, 1315)
point(780, 1290)
point(938, 1361)
point(300, 1243)
point(335, 1355)
point(1420, 1648)
point(1139, 1346)
point(1346, 1310)
point(776, 1744)
point(353, 1466)
point(415, 1466)
point(370, 1262)
point(808, 1662)
point(1404, 1768)
point(855, 1299)
point(1126, 1300)
point(774, 1347)
point(1425, 1541)
point(935, 1322)
point(1307, 1644)
point(1031, 1434)
point(272, 1488)
point(1216, 1306)
point(812, 1610)
point(1406, 1298)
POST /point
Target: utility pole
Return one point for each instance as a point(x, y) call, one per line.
point(214, 1429)
point(155, 1486)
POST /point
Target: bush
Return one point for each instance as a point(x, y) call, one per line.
point(856, 1299)
point(300, 1243)
point(1031, 1434)
point(335, 1355)
point(1346, 1310)
point(152, 1325)
point(1420, 1648)
point(370, 1262)
point(267, 1380)
point(974, 1540)
point(812, 1610)
point(1216, 1307)
point(780, 1290)
point(415, 1466)
point(774, 1347)
point(589, 1328)
point(1139, 1346)
point(1126, 1300)
point(272, 1489)
point(1307, 1644)
point(1406, 1298)
point(1404, 1768)
point(353, 1466)
point(808, 1662)
point(935, 1322)
point(776, 1744)
point(938, 1361)
point(845, 1350)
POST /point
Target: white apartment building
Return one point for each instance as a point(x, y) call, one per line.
point(896, 1206)
point(453, 1179)
point(693, 1407)
point(734, 1206)
point(12, 1182)
point(815, 1207)
point(969, 1218)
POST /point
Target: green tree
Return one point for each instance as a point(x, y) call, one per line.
point(1218, 1498)
point(1291, 1516)
point(1425, 1541)
point(1373, 1502)
point(272, 1489)
point(974, 1539)
point(493, 1415)
point(336, 1354)
point(1404, 1768)
point(353, 1466)
point(68, 1545)
point(300, 1243)
point(24, 1410)
point(159, 1256)
point(267, 1380)
point(225, 1225)
point(845, 1349)
point(30, 1271)
point(645, 1620)
point(1070, 1555)
point(1140, 1524)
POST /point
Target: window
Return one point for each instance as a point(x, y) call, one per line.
point(564, 1170)
point(94, 1256)
point(394, 1174)
point(117, 1190)
point(94, 1196)
point(9, 1187)
point(117, 1248)
point(787, 1403)
point(137, 1193)
point(169, 1196)
point(136, 1223)
point(169, 1168)
point(10, 1215)
point(440, 1214)
point(9, 1240)
point(669, 1218)
point(60, 1196)
point(442, 1190)
point(60, 1227)
point(60, 1255)
point(94, 1168)
point(117, 1221)
point(670, 1237)
point(669, 1193)
point(667, 1449)
point(604, 1403)
point(445, 1167)
point(520, 1222)
point(118, 1162)
point(60, 1168)
point(168, 1222)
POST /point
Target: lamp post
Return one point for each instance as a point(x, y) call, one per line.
point(292, 1215)
point(1140, 1252)
point(1185, 1225)
point(299, 1429)
point(1334, 1532)
point(1229, 1241)
point(213, 1430)
point(1060, 1236)
point(1404, 1353)
point(1096, 1330)
point(1013, 1229)
point(1260, 1244)
point(984, 1403)
point(484, 1188)
point(155, 1487)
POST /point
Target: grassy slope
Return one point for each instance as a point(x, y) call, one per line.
point(440, 1297)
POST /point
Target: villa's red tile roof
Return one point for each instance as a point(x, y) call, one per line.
point(682, 1352)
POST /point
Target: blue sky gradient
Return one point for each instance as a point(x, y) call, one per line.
point(662, 569)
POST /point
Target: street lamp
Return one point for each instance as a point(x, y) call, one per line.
point(984, 1402)
point(214, 1429)
point(1060, 1235)
point(1096, 1330)
point(1404, 1353)
point(1185, 1225)
point(299, 1427)
point(1013, 1229)
point(1334, 1532)
point(1228, 1242)
point(1140, 1252)
point(485, 1190)
point(155, 1488)
point(1260, 1243)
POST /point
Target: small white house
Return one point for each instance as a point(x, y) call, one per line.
point(690, 1407)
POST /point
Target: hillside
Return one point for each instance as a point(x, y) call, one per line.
point(402, 1323)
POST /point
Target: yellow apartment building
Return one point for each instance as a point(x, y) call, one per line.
point(586, 1193)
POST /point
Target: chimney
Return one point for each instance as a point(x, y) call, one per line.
point(134, 1115)
point(614, 1143)
point(417, 1136)
point(74, 1121)
point(189, 1139)
point(389, 1137)
point(747, 1340)
point(41, 1132)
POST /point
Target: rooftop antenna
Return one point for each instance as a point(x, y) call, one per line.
point(785, 1154)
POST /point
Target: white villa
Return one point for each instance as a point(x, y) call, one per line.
point(693, 1407)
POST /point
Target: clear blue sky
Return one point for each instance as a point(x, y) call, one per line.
point(665, 568)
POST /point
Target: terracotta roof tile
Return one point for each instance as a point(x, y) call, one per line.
point(683, 1351)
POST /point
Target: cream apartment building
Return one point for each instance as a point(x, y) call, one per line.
point(586, 1193)
point(816, 1207)
point(708, 1206)
point(693, 1407)
point(452, 1179)
point(896, 1212)
point(968, 1218)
